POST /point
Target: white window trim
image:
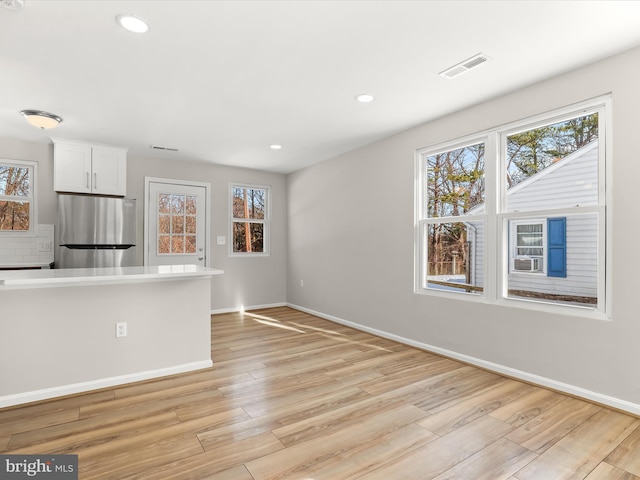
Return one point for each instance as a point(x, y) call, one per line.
point(32, 199)
point(496, 218)
point(266, 221)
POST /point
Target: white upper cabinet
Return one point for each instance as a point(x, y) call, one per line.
point(85, 168)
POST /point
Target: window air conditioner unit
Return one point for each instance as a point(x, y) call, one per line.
point(526, 264)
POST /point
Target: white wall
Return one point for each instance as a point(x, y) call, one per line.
point(61, 340)
point(351, 240)
point(246, 281)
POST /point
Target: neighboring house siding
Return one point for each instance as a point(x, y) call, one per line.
point(476, 250)
point(572, 181)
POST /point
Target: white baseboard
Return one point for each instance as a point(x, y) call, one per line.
point(613, 402)
point(47, 393)
point(244, 308)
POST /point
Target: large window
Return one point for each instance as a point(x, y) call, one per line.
point(250, 219)
point(17, 201)
point(517, 214)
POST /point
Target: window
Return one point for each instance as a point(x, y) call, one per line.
point(517, 214)
point(250, 219)
point(17, 196)
point(528, 246)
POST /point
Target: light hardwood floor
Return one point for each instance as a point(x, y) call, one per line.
point(293, 396)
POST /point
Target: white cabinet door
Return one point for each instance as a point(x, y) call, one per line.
point(85, 168)
point(109, 171)
point(72, 168)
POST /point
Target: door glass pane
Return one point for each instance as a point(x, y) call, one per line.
point(177, 204)
point(190, 244)
point(177, 224)
point(177, 244)
point(164, 224)
point(191, 205)
point(190, 225)
point(164, 203)
point(164, 244)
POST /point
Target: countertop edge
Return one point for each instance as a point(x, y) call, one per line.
point(72, 277)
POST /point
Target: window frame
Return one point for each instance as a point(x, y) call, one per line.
point(31, 199)
point(266, 221)
point(496, 218)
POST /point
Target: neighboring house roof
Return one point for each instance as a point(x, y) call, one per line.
point(569, 182)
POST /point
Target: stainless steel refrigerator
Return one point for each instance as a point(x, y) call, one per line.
point(95, 231)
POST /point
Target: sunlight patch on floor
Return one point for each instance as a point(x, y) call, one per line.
point(271, 322)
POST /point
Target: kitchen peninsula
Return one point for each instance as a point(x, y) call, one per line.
point(66, 341)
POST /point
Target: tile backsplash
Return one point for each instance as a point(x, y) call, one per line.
point(27, 251)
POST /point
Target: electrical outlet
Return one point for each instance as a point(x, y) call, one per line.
point(121, 329)
point(221, 240)
point(302, 283)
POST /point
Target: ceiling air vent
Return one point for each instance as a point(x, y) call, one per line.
point(464, 66)
point(161, 147)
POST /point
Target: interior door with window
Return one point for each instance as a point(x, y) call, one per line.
point(176, 217)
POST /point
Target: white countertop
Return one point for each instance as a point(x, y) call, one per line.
point(81, 276)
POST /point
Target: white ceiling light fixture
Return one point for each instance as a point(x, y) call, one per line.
point(464, 66)
point(275, 146)
point(365, 98)
point(15, 5)
point(40, 119)
point(132, 23)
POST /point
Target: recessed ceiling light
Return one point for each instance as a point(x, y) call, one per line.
point(132, 23)
point(275, 146)
point(365, 98)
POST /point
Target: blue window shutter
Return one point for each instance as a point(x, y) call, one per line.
point(557, 247)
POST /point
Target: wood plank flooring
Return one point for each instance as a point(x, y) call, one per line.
point(293, 396)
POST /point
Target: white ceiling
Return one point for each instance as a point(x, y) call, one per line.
point(223, 80)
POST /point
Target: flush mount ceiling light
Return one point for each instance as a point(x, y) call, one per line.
point(275, 146)
point(365, 98)
point(41, 119)
point(132, 23)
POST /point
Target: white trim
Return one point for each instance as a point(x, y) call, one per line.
point(207, 214)
point(47, 393)
point(613, 402)
point(242, 308)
